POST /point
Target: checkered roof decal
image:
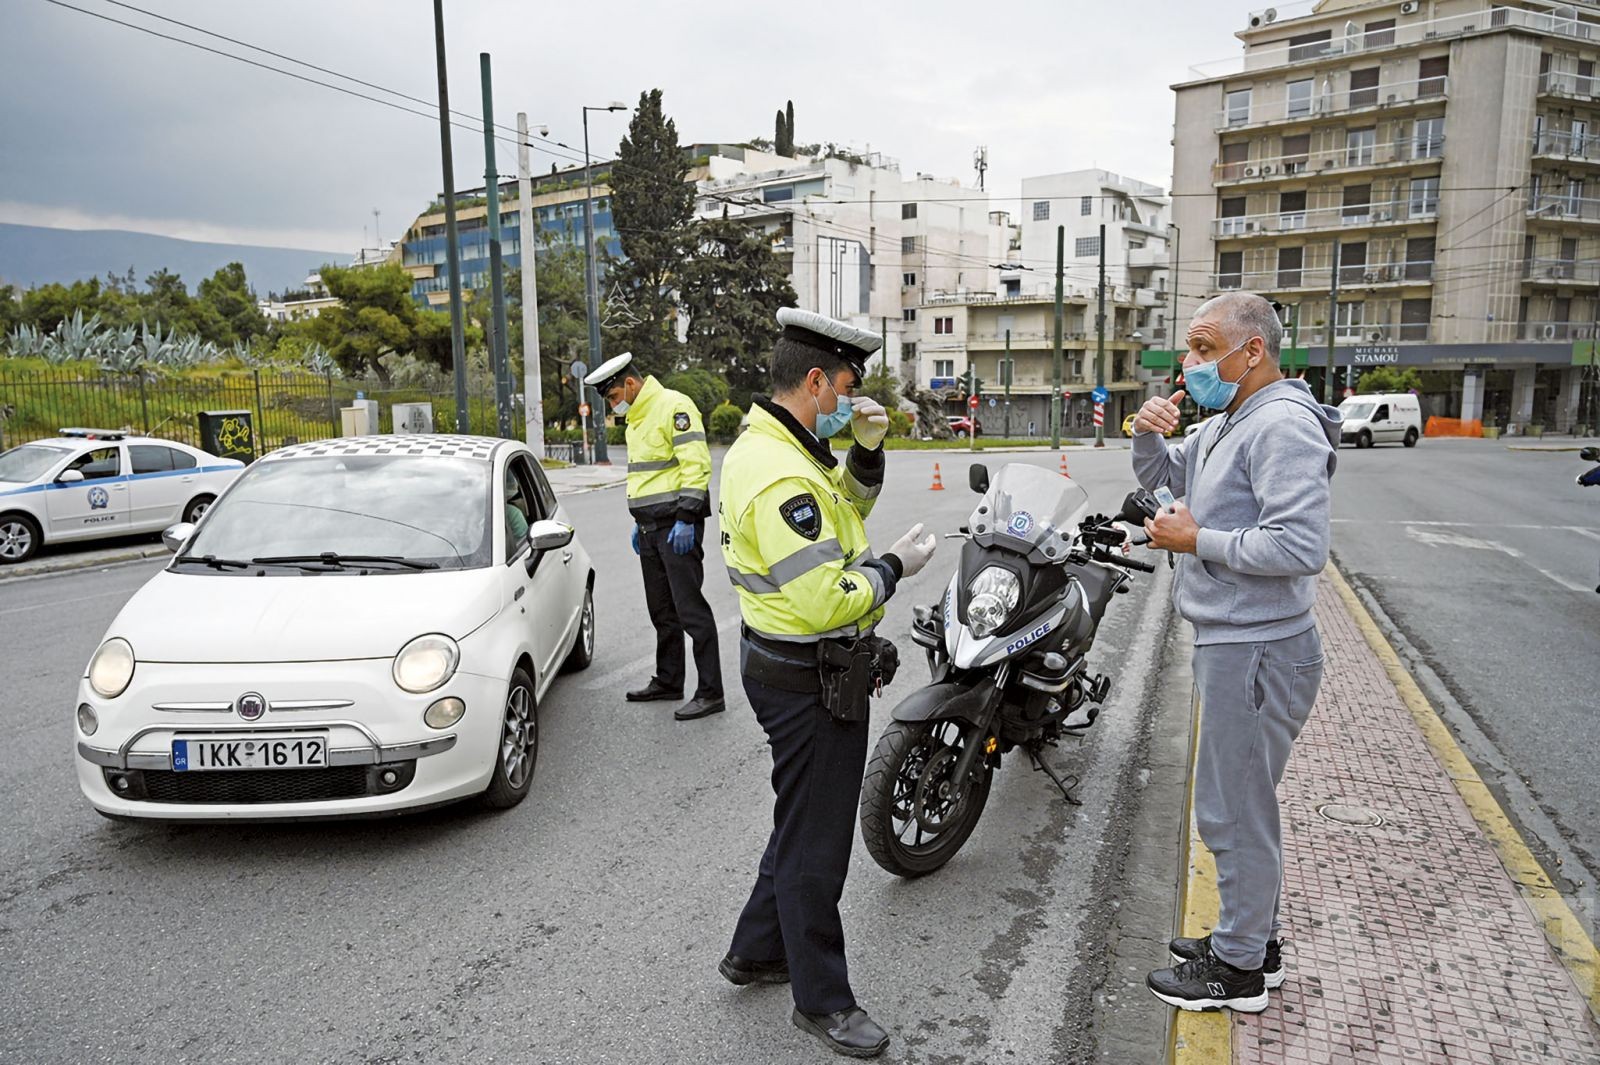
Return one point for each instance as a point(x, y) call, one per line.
point(434, 446)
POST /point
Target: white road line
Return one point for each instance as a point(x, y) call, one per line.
point(1581, 531)
point(52, 604)
point(1451, 539)
point(624, 673)
point(1458, 524)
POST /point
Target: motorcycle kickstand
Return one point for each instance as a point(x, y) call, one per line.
point(1066, 789)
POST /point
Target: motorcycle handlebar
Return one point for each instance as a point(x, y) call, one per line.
point(1102, 555)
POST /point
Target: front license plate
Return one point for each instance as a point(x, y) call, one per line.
point(261, 752)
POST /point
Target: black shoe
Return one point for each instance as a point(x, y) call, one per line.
point(743, 971)
point(849, 1032)
point(1207, 983)
point(1271, 971)
point(699, 706)
point(653, 691)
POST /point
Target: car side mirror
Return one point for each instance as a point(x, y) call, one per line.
point(1590, 454)
point(547, 535)
point(175, 536)
point(978, 477)
point(70, 477)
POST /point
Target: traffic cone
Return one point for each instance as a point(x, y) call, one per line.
point(1064, 472)
point(938, 485)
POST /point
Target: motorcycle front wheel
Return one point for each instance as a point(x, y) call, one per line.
point(911, 820)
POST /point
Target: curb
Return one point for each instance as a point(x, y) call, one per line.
point(69, 563)
point(1547, 447)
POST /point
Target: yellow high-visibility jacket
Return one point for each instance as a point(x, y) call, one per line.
point(669, 464)
point(794, 535)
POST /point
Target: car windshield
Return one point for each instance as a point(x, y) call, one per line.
point(421, 508)
point(1358, 411)
point(1030, 504)
point(29, 462)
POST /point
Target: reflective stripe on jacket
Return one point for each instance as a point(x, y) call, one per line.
point(800, 575)
point(669, 464)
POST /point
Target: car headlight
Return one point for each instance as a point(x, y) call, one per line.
point(993, 595)
point(111, 668)
point(426, 663)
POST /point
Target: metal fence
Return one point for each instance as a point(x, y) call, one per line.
point(285, 407)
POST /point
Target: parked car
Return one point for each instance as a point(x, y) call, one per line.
point(1381, 418)
point(963, 426)
point(91, 483)
point(359, 626)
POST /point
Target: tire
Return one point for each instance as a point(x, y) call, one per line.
point(197, 508)
point(1364, 439)
point(1411, 438)
point(961, 434)
point(19, 538)
point(582, 652)
point(518, 747)
point(905, 750)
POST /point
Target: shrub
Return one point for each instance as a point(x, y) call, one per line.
point(900, 423)
point(725, 419)
point(704, 387)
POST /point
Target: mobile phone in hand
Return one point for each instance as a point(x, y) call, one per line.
point(1165, 497)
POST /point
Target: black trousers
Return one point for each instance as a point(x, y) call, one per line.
point(793, 911)
point(677, 605)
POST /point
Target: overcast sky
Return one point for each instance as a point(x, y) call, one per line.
point(104, 126)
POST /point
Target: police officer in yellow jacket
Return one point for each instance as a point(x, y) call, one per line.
point(669, 481)
point(810, 591)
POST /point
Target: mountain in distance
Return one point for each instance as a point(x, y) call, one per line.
point(38, 255)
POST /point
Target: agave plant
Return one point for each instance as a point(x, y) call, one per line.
point(26, 342)
point(78, 338)
point(318, 361)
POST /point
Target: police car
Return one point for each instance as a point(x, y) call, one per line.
point(89, 483)
point(360, 626)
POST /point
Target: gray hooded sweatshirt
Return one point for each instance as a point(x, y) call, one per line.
point(1258, 484)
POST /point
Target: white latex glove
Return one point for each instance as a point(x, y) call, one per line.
point(913, 549)
point(869, 422)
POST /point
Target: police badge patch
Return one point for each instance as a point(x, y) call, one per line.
point(802, 515)
point(680, 421)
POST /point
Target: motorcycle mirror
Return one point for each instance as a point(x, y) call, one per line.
point(1590, 454)
point(1138, 506)
point(978, 477)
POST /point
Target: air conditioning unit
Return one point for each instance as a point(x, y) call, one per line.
point(1252, 171)
point(1374, 335)
point(1266, 168)
point(1372, 275)
point(1410, 7)
point(1392, 100)
point(1549, 331)
point(1263, 18)
point(1250, 226)
point(1384, 215)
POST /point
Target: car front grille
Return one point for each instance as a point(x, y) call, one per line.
point(244, 787)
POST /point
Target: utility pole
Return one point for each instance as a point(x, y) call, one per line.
point(1333, 319)
point(1009, 374)
point(498, 357)
point(1177, 264)
point(1055, 395)
point(1100, 347)
point(980, 163)
point(532, 380)
point(458, 342)
point(591, 292)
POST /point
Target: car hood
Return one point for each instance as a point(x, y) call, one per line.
point(194, 617)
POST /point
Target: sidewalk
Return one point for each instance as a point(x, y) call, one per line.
point(571, 480)
point(1407, 940)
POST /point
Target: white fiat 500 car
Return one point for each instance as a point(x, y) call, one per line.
point(358, 626)
point(89, 483)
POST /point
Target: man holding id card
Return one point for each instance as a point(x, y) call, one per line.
point(1244, 504)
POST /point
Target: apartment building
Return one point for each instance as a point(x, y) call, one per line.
point(1419, 177)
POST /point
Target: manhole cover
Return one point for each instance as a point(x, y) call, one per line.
point(1342, 814)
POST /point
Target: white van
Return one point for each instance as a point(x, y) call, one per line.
point(1381, 418)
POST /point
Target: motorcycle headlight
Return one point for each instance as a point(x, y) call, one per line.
point(992, 596)
point(111, 668)
point(426, 663)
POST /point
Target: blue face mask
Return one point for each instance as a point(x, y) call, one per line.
point(1205, 385)
point(832, 424)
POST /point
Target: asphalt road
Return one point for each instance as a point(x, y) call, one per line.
point(1485, 561)
point(583, 926)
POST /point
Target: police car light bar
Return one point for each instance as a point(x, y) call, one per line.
point(96, 434)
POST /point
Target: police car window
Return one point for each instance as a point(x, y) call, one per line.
point(29, 462)
point(150, 458)
point(182, 460)
point(101, 462)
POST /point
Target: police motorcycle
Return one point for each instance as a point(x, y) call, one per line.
point(1007, 649)
point(1592, 478)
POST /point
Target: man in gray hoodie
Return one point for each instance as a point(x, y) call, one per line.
point(1251, 535)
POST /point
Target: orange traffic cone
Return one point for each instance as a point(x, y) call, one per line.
point(1064, 472)
point(938, 485)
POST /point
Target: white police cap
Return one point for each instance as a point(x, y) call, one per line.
point(603, 375)
point(819, 331)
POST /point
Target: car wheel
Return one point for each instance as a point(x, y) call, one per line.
point(1364, 439)
point(961, 434)
point(582, 652)
point(19, 538)
point(1411, 438)
point(197, 508)
point(519, 745)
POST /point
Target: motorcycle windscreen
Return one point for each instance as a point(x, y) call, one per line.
point(1028, 507)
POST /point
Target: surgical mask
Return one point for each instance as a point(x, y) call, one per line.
point(621, 408)
point(1205, 385)
point(832, 424)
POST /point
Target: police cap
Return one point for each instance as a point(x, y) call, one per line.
point(610, 372)
point(830, 335)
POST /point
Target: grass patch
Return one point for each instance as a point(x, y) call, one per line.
point(554, 464)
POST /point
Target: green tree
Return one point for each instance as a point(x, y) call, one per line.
point(724, 422)
point(730, 290)
point(788, 128)
point(563, 323)
point(708, 390)
point(780, 134)
point(227, 292)
point(651, 205)
point(45, 306)
point(882, 385)
point(1388, 379)
point(374, 317)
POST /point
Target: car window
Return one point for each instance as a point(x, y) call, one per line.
point(182, 460)
point(101, 462)
point(1383, 413)
point(29, 462)
point(149, 458)
point(547, 495)
point(523, 505)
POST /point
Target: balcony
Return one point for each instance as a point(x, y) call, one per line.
point(1556, 331)
point(1380, 99)
point(1564, 209)
point(1353, 216)
point(1563, 273)
point(1559, 83)
point(1401, 153)
point(1566, 147)
point(1367, 333)
point(1320, 278)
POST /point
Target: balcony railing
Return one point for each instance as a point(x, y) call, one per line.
point(1407, 150)
point(1563, 144)
point(1567, 271)
point(1324, 104)
point(1563, 207)
point(1320, 278)
point(1555, 330)
point(1561, 83)
point(1387, 212)
point(1367, 333)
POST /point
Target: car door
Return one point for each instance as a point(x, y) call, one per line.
point(161, 480)
point(1382, 424)
point(540, 595)
point(574, 561)
point(94, 506)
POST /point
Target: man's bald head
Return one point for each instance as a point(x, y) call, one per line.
point(1242, 315)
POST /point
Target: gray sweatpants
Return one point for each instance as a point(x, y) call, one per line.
point(1254, 698)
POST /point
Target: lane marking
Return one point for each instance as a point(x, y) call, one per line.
point(1562, 928)
point(1581, 531)
point(1450, 539)
point(621, 674)
point(54, 603)
point(1464, 525)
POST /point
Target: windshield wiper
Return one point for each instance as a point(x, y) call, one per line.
point(213, 561)
point(335, 560)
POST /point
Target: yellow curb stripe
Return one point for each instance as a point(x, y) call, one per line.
point(1198, 1038)
point(1561, 926)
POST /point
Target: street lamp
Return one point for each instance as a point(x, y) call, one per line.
point(590, 287)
